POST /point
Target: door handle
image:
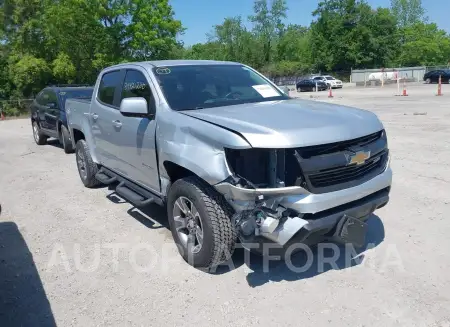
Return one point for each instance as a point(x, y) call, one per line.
point(94, 116)
point(117, 123)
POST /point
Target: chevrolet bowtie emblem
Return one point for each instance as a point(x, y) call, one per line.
point(359, 157)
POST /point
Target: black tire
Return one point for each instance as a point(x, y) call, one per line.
point(39, 138)
point(219, 234)
point(428, 81)
point(87, 168)
point(299, 89)
point(65, 140)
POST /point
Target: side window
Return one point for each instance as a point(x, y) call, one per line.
point(108, 85)
point(45, 98)
point(40, 98)
point(136, 85)
point(51, 98)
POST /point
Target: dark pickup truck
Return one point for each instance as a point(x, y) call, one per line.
point(48, 116)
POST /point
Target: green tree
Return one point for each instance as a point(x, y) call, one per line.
point(349, 33)
point(153, 29)
point(294, 46)
point(29, 74)
point(63, 69)
point(424, 44)
point(72, 40)
point(408, 12)
point(268, 24)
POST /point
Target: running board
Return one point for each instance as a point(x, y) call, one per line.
point(102, 177)
point(130, 191)
point(133, 196)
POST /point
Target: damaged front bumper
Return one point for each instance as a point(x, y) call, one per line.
point(309, 215)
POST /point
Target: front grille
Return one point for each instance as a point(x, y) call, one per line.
point(316, 150)
point(324, 168)
point(340, 175)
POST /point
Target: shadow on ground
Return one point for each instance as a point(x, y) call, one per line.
point(305, 264)
point(301, 265)
point(152, 216)
point(55, 143)
point(23, 301)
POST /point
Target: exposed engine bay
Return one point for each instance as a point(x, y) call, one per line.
point(264, 178)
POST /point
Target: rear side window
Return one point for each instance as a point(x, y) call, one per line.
point(108, 85)
point(47, 97)
point(136, 85)
point(40, 98)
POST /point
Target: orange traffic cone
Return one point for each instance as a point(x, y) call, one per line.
point(404, 94)
point(330, 93)
point(440, 87)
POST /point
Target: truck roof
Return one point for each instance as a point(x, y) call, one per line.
point(166, 63)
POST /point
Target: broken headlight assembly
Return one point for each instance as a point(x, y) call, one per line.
point(265, 168)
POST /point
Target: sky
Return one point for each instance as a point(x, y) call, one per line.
point(199, 16)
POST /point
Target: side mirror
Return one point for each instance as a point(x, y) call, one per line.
point(285, 89)
point(135, 107)
point(52, 105)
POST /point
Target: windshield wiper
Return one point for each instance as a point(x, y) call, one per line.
point(186, 109)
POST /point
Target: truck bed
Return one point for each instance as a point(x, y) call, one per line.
point(78, 112)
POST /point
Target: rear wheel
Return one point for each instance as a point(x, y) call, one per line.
point(39, 138)
point(87, 168)
point(65, 140)
point(200, 221)
point(428, 81)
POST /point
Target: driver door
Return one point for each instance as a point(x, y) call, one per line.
point(133, 138)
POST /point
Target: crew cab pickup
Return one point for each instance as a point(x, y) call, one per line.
point(231, 156)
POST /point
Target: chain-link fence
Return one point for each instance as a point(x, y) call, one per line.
point(430, 68)
point(292, 80)
point(390, 75)
point(387, 75)
point(15, 107)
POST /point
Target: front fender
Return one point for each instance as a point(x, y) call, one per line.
point(195, 145)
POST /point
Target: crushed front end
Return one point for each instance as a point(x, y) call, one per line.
point(308, 194)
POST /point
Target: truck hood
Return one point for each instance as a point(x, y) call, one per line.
point(291, 123)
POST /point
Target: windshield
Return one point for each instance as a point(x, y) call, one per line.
point(78, 94)
point(191, 87)
point(329, 78)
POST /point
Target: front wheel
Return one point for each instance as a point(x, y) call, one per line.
point(87, 168)
point(200, 222)
point(428, 81)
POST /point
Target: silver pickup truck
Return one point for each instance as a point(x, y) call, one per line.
point(231, 156)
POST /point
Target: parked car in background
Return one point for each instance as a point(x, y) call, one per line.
point(230, 156)
point(433, 76)
point(48, 115)
point(311, 85)
point(329, 80)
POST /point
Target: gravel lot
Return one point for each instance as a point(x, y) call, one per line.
point(57, 265)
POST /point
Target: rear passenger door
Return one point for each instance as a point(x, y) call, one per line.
point(134, 141)
point(435, 76)
point(104, 112)
point(51, 109)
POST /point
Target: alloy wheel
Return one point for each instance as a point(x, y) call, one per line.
point(188, 224)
